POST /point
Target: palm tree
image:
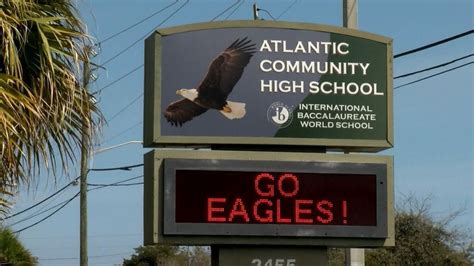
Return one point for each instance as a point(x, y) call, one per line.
point(43, 108)
point(12, 252)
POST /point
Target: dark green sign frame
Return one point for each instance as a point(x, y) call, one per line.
point(153, 105)
point(157, 192)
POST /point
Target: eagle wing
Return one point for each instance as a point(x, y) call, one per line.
point(225, 71)
point(182, 111)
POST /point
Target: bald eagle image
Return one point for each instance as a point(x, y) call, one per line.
point(223, 73)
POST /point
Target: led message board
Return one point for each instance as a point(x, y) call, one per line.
point(268, 83)
point(209, 197)
point(246, 197)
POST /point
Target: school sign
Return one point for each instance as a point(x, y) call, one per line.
point(285, 84)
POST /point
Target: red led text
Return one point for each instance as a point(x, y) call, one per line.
point(277, 202)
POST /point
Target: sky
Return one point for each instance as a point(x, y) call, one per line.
point(433, 119)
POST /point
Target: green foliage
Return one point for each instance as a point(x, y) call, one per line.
point(12, 251)
point(154, 255)
point(42, 104)
point(336, 256)
point(199, 256)
point(169, 256)
point(420, 241)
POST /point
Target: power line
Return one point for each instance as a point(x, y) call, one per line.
point(434, 75)
point(137, 23)
point(65, 203)
point(121, 133)
point(45, 199)
point(116, 183)
point(225, 10)
point(124, 168)
point(434, 44)
point(266, 11)
point(41, 210)
point(91, 257)
point(235, 9)
point(143, 37)
point(119, 183)
point(51, 214)
point(119, 79)
point(116, 146)
point(90, 236)
point(36, 214)
point(125, 107)
point(287, 9)
point(434, 67)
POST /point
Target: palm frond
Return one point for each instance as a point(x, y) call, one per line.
point(43, 107)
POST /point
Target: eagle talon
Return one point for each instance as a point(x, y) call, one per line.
point(227, 109)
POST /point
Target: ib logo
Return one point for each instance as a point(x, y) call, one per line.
point(279, 114)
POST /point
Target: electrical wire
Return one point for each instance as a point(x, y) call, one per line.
point(434, 75)
point(36, 214)
point(143, 37)
point(137, 23)
point(124, 168)
point(434, 67)
point(125, 107)
point(65, 203)
point(266, 11)
point(119, 79)
point(235, 9)
point(90, 236)
point(90, 257)
point(123, 132)
point(287, 9)
point(434, 44)
point(115, 183)
point(48, 216)
point(225, 10)
point(45, 199)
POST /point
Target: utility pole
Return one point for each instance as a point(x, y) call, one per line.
point(255, 11)
point(85, 148)
point(349, 14)
point(354, 256)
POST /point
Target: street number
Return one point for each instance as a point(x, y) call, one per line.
point(274, 262)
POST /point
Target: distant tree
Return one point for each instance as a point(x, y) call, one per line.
point(199, 256)
point(336, 256)
point(12, 251)
point(424, 240)
point(156, 255)
point(420, 239)
point(159, 255)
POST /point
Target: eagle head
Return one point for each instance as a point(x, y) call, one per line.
point(188, 94)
